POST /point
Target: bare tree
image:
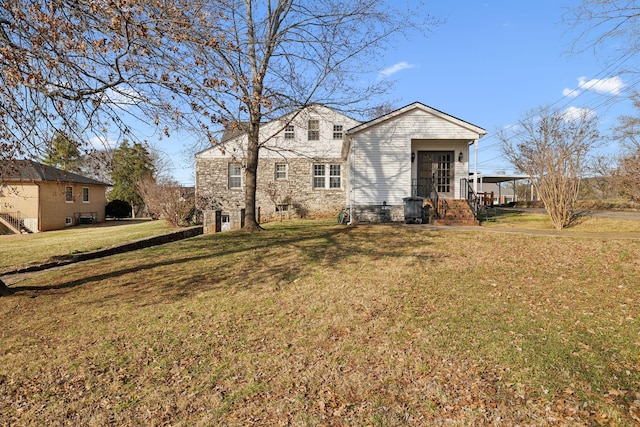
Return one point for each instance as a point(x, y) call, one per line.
point(552, 148)
point(61, 63)
point(82, 68)
point(627, 176)
point(627, 173)
point(607, 26)
point(280, 195)
point(612, 27)
point(78, 66)
point(628, 129)
point(166, 199)
point(268, 59)
point(602, 182)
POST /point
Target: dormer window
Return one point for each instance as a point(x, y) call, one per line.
point(337, 131)
point(289, 132)
point(314, 130)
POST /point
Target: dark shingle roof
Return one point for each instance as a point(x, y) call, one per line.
point(28, 170)
point(233, 130)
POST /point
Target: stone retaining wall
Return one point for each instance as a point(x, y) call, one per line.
point(113, 250)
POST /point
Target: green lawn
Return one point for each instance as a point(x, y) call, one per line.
point(18, 250)
point(540, 221)
point(310, 323)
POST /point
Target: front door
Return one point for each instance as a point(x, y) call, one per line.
point(435, 169)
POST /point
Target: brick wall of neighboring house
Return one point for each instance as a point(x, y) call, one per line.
point(295, 193)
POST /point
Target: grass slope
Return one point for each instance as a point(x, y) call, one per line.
point(309, 323)
point(17, 250)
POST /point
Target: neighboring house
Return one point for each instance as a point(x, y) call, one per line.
point(300, 173)
point(36, 197)
point(319, 161)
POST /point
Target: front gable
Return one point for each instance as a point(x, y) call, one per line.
point(420, 121)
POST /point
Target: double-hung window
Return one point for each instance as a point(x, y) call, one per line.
point(289, 133)
point(85, 194)
point(337, 131)
point(313, 130)
point(281, 171)
point(235, 176)
point(334, 176)
point(327, 176)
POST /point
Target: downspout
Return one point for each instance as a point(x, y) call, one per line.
point(39, 205)
point(350, 181)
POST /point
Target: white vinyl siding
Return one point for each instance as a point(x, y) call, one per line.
point(382, 156)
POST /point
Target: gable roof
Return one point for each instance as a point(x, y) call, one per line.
point(28, 170)
point(234, 129)
point(420, 106)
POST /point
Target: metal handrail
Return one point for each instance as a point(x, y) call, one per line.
point(16, 219)
point(470, 195)
point(426, 187)
point(435, 199)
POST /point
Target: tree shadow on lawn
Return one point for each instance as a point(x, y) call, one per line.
point(239, 261)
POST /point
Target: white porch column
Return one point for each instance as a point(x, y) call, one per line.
point(475, 166)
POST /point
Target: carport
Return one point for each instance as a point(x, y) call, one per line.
point(496, 180)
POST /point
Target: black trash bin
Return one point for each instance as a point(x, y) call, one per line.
point(413, 210)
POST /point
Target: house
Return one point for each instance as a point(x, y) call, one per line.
point(36, 197)
point(413, 152)
point(316, 161)
point(300, 173)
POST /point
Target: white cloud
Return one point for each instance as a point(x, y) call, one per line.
point(610, 85)
point(570, 93)
point(394, 69)
point(101, 142)
point(123, 98)
point(576, 113)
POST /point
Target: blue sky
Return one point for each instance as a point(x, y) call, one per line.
point(492, 61)
point(489, 63)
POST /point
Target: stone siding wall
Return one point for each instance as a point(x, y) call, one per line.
point(378, 213)
point(296, 192)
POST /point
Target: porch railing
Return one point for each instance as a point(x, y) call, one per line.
point(425, 188)
point(467, 192)
point(16, 220)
